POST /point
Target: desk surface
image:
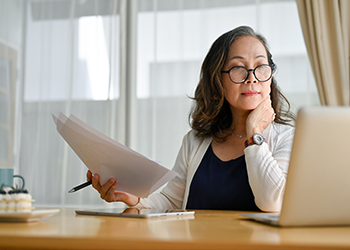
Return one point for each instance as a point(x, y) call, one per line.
point(206, 230)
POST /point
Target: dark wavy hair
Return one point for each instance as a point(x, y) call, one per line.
point(211, 114)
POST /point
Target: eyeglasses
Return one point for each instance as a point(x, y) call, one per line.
point(240, 74)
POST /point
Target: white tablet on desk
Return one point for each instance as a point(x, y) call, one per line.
point(136, 213)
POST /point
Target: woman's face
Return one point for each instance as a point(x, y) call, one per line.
point(249, 52)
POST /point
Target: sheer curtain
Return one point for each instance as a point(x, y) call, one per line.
point(173, 39)
point(10, 47)
point(71, 65)
point(127, 67)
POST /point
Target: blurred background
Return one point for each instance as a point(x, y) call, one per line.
point(126, 68)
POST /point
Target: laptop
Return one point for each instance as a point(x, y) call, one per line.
point(317, 191)
point(136, 213)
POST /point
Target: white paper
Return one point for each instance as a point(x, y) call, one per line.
point(135, 173)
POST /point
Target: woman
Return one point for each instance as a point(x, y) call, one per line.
point(236, 156)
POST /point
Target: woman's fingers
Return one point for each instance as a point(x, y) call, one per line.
point(260, 118)
point(105, 187)
point(88, 175)
point(95, 182)
point(107, 191)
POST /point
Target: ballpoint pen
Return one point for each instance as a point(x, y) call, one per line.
point(88, 183)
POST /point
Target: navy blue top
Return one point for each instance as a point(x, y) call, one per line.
point(221, 185)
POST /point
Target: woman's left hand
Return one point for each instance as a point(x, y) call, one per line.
point(260, 118)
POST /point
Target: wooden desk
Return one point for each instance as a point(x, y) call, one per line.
point(208, 230)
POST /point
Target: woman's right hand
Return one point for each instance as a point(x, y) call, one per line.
point(108, 193)
point(260, 118)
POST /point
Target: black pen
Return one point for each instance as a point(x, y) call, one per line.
point(88, 183)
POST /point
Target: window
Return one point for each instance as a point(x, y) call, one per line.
point(127, 68)
point(173, 39)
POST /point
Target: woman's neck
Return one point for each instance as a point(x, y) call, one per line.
point(238, 125)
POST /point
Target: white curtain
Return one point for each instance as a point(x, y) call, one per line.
point(126, 68)
point(10, 36)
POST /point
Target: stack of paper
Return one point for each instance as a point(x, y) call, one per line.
point(135, 173)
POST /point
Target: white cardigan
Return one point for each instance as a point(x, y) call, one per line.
point(267, 167)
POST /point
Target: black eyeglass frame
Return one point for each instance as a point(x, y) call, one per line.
point(248, 70)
